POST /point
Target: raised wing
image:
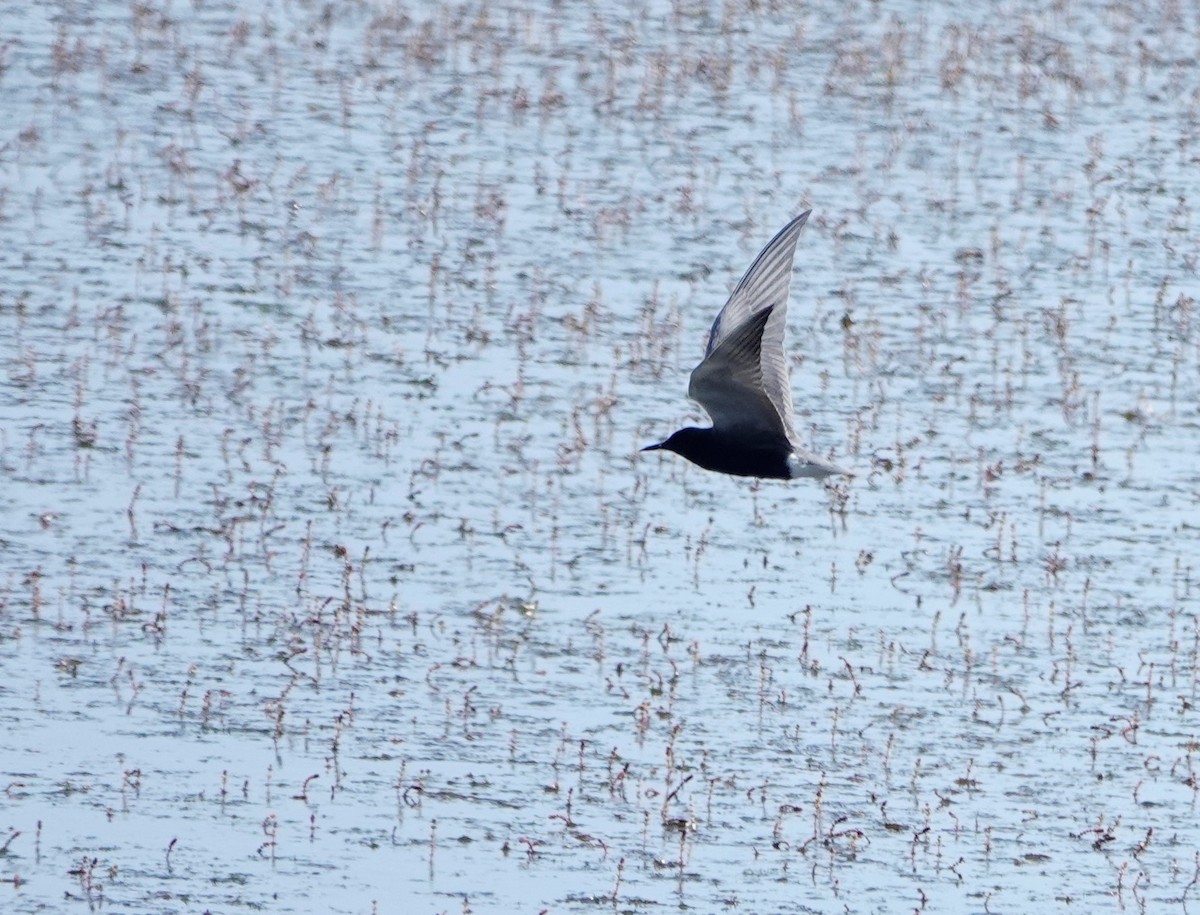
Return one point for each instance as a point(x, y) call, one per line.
point(763, 288)
point(728, 383)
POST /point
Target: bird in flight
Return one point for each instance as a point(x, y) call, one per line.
point(742, 382)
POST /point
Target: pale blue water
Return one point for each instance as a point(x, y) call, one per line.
point(333, 579)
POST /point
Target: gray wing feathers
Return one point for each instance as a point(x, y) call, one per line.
point(765, 283)
point(764, 288)
point(729, 382)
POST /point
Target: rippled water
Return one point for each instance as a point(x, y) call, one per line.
point(333, 580)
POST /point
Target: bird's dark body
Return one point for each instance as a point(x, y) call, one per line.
point(730, 453)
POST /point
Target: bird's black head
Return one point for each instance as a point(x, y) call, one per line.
point(687, 442)
point(700, 446)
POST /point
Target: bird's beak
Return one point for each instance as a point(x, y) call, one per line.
point(653, 447)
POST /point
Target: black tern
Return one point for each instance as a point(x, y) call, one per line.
point(742, 382)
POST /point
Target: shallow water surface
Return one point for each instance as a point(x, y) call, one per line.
point(334, 580)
